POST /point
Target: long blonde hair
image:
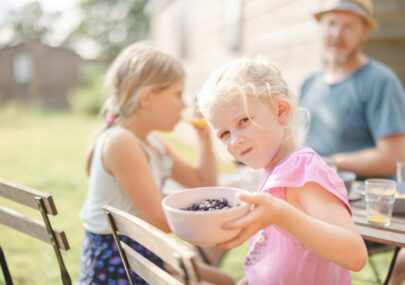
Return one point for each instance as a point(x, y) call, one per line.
point(137, 67)
point(246, 77)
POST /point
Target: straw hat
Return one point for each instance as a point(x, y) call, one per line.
point(362, 8)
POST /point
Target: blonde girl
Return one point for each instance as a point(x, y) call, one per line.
point(128, 164)
point(299, 229)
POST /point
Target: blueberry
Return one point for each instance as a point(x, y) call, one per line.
point(209, 205)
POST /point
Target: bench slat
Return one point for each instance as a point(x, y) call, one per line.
point(31, 227)
point(155, 240)
point(150, 272)
point(26, 196)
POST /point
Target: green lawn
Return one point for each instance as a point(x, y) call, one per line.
point(46, 151)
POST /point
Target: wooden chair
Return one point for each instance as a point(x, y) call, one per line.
point(39, 230)
point(180, 257)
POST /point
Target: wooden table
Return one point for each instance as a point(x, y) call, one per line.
point(394, 234)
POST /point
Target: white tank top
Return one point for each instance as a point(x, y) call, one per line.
point(103, 188)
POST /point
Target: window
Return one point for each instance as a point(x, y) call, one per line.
point(182, 9)
point(23, 67)
point(233, 14)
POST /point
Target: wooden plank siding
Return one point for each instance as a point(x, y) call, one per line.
point(55, 73)
point(283, 31)
point(387, 43)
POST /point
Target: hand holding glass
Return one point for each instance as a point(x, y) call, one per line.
point(380, 198)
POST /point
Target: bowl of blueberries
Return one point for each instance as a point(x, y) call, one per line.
point(197, 215)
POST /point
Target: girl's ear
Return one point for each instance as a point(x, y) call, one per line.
point(283, 111)
point(144, 97)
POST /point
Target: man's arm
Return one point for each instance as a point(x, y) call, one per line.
point(377, 161)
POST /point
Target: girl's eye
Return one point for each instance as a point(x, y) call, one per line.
point(223, 135)
point(244, 121)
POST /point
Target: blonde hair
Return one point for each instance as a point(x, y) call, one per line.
point(137, 67)
point(256, 78)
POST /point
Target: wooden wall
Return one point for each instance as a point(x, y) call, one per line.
point(56, 72)
point(387, 43)
point(283, 31)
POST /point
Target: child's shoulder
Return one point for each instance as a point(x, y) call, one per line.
point(301, 157)
point(118, 138)
point(301, 166)
point(304, 166)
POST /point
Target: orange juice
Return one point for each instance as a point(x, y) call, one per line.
point(200, 123)
point(382, 220)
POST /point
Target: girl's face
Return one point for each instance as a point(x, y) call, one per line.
point(167, 105)
point(257, 139)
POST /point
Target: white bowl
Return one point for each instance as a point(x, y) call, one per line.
point(348, 177)
point(203, 228)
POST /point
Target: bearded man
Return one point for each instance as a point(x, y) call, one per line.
point(356, 104)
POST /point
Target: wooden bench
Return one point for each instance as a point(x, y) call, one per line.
point(180, 257)
point(41, 230)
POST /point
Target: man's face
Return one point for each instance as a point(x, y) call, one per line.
point(343, 36)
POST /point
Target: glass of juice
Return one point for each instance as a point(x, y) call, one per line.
point(380, 198)
point(199, 123)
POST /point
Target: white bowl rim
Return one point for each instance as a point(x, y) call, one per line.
point(233, 208)
point(349, 175)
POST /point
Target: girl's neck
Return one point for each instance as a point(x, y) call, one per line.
point(288, 146)
point(135, 126)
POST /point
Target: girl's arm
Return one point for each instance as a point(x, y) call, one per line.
point(205, 173)
point(124, 159)
point(314, 216)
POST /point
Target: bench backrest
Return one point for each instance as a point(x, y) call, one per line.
point(41, 230)
point(180, 257)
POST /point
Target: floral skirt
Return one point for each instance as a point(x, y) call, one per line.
point(100, 261)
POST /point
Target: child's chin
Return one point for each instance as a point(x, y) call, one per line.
point(253, 165)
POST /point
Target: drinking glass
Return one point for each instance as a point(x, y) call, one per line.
point(380, 198)
point(401, 177)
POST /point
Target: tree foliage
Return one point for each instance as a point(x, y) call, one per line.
point(29, 23)
point(111, 24)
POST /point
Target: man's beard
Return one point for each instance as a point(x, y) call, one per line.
point(339, 60)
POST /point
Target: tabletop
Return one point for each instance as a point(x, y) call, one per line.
point(394, 234)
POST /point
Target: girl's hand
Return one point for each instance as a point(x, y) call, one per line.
point(266, 211)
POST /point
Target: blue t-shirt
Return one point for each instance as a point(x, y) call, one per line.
point(352, 114)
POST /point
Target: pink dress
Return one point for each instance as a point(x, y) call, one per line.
point(275, 256)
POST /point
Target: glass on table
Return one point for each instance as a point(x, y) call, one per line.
point(401, 178)
point(380, 198)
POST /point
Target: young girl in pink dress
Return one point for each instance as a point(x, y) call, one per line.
point(300, 229)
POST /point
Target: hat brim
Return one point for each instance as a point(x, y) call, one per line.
point(372, 24)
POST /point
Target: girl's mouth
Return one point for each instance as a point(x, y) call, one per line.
point(246, 151)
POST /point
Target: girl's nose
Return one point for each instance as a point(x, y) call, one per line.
point(237, 140)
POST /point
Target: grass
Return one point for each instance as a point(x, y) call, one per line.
point(46, 151)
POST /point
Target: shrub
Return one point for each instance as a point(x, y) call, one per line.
point(88, 97)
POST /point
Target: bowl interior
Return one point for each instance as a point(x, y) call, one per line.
point(183, 199)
